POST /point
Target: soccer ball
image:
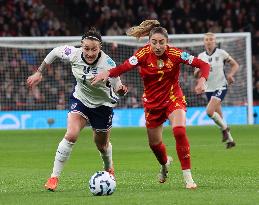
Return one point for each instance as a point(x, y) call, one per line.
point(102, 183)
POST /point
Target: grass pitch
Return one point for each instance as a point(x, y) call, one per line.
point(223, 176)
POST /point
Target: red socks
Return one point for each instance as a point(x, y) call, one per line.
point(160, 152)
point(182, 147)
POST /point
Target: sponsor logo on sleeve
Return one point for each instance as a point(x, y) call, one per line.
point(133, 60)
point(67, 51)
point(186, 56)
point(111, 62)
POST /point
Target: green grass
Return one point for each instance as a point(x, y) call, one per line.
point(223, 176)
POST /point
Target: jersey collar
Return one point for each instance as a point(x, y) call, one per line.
point(212, 52)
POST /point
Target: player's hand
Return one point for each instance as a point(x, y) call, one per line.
point(200, 87)
point(100, 76)
point(34, 79)
point(230, 79)
point(122, 90)
point(197, 73)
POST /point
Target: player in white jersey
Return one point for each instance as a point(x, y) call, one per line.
point(217, 83)
point(88, 104)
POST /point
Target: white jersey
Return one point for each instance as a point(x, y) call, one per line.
point(91, 96)
point(217, 79)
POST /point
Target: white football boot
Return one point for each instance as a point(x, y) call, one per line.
point(189, 183)
point(164, 170)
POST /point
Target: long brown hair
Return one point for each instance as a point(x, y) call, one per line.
point(147, 28)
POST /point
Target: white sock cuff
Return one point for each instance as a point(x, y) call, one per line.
point(187, 175)
point(66, 143)
point(186, 172)
point(215, 116)
point(219, 121)
point(64, 150)
point(107, 157)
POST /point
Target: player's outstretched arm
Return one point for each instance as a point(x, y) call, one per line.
point(102, 76)
point(58, 52)
point(36, 78)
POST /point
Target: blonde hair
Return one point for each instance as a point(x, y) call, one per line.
point(209, 34)
point(143, 29)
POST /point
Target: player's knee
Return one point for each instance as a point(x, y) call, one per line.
point(71, 136)
point(179, 131)
point(181, 137)
point(210, 112)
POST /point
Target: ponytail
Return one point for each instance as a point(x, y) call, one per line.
point(143, 29)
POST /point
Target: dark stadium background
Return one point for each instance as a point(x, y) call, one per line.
point(113, 17)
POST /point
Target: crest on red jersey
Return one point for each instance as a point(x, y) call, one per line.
point(160, 63)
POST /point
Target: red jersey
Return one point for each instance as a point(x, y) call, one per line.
point(160, 74)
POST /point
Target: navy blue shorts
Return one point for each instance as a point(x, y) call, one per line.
point(220, 94)
point(100, 118)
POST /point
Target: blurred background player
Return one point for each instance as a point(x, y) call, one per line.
point(88, 104)
point(217, 83)
point(163, 98)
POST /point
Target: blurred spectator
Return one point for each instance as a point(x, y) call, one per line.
point(111, 17)
point(114, 30)
point(256, 93)
point(132, 97)
point(28, 18)
point(132, 101)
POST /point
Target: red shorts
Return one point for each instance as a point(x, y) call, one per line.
point(157, 116)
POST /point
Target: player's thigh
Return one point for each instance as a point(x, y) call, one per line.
point(75, 123)
point(155, 135)
point(213, 105)
point(178, 118)
point(155, 117)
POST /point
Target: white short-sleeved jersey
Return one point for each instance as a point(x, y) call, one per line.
point(91, 96)
point(217, 79)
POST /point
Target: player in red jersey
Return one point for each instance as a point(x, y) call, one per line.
point(163, 98)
